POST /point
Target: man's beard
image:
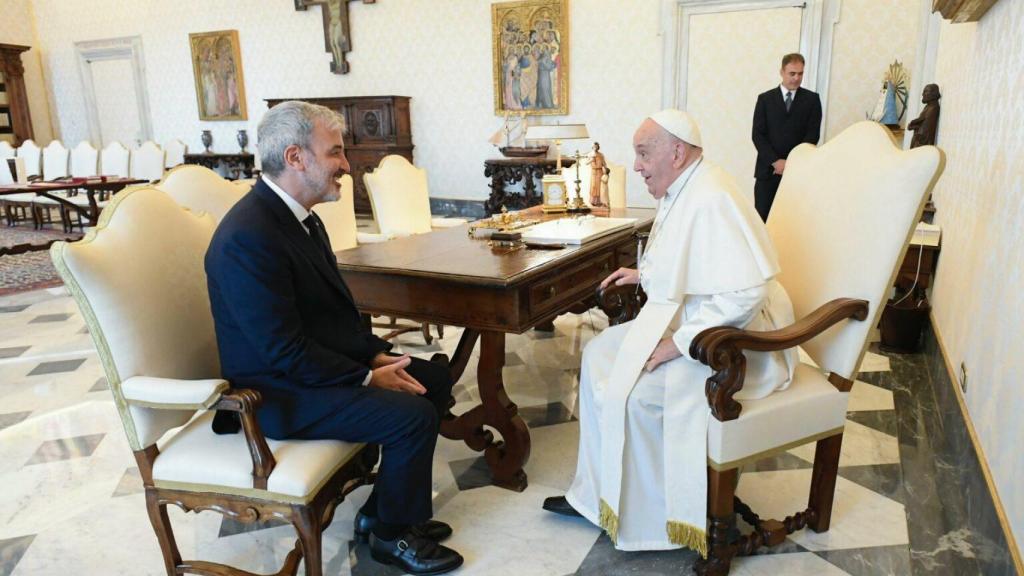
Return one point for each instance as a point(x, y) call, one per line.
point(316, 180)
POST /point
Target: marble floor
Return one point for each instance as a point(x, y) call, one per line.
point(72, 501)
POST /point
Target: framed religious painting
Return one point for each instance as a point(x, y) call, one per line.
point(217, 65)
point(530, 45)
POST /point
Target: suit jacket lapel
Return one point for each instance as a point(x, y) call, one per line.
point(297, 235)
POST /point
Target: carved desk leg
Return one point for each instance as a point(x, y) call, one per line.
point(507, 456)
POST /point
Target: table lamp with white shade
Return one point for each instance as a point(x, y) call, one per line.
point(555, 197)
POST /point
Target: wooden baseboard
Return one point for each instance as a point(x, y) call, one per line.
point(1011, 543)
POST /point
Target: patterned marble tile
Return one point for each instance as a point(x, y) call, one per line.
point(100, 385)
point(861, 445)
point(881, 420)
point(12, 418)
point(864, 396)
point(131, 483)
point(886, 479)
point(471, 473)
point(13, 351)
point(12, 309)
point(11, 551)
point(873, 362)
point(230, 527)
point(49, 318)
point(876, 560)
point(56, 367)
point(65, 449)
point(539, 416)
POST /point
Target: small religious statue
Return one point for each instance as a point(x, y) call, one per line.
point(926, 124)
point(598, 172)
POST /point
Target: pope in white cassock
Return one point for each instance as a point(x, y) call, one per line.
point(641, 470)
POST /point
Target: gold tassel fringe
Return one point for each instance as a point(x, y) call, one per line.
point(685, 535)
point(609, 521)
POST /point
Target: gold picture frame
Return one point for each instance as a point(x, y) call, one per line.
point(530, 55)
point(217, 66)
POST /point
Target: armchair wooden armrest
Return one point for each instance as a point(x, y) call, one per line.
point(722, 347)
point(245, 402)
point(620, 303)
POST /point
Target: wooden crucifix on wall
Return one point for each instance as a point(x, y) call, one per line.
point(337, 39)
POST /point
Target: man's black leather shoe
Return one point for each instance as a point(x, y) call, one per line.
point(559, 505)
point(431, 529)
point(415, 555)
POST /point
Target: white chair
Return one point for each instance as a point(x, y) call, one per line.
point(339, 220)
point(55, 161)
point(6, 151)
point(84, 160)
point(400, 199)
point(174, 153)
point(841, 223)
point(139, 281)
point(114, 160)
point(30, 153)
point(148, 162)
point(201, 190)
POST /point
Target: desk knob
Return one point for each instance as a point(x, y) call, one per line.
point(551, 291)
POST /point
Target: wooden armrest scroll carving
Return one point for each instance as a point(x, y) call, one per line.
point(722, 347)
point(245, 402)
point(620, 303)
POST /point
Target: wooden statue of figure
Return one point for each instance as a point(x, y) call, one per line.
point(598, 168)
point(927, 123)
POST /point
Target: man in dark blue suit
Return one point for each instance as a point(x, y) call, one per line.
point(784, 117)
point(287, 326)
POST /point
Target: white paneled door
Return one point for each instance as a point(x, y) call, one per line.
point(732, 56)
point(117, 106)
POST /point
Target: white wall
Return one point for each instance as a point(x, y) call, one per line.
point(978, 297)
point(436, 51)
point(869, 36)
point(17, 26)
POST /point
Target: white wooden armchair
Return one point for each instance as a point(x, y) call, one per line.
point(841, 222)
point(139, 282)
point(202, 190)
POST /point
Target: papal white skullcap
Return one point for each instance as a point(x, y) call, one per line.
point(678, 124)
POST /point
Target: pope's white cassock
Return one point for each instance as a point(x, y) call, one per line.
point(641, 473)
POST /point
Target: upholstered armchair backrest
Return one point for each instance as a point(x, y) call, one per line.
point(174, 153)
point(55, 161)
point(30, 153)
point(148, 162)
point(114, 160)
point(339, 217)
point(201, 190)
point(6, 150)
point(399, 197)
point(139, 282)
point(841, 221)
point(84, 160)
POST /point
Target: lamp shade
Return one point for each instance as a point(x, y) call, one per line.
point(557, 132)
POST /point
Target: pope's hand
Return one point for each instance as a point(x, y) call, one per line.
point(621, 277)
point(665, 350)
point(392, 375)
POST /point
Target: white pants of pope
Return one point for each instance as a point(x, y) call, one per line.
point(643, 511)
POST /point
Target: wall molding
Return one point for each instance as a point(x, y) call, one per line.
point(126, 48)
point(817, 23)
point(1004, 522)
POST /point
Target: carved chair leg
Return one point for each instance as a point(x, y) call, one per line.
point(164, 533)
point(823, 481)
point(440, 330)
point(307, 525)
point(425, 329)
point(722, 532)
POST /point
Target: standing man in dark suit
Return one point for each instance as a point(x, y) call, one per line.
point(783, 118)
point(287, 327)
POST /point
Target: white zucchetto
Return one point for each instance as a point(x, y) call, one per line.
point(679, 124)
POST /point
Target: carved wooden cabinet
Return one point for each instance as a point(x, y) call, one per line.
point(377, 126)
point(15, 122)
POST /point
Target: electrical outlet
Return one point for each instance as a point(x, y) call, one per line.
point(963, 377)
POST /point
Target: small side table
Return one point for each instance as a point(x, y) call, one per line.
point(236, 164)
point(505, 171)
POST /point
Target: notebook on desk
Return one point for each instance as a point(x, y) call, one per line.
point(574, 231)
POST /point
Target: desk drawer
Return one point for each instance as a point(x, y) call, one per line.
point(575, 284)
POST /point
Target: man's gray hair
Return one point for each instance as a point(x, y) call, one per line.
point(291, 123)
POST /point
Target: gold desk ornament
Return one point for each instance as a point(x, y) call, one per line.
point(503, 222)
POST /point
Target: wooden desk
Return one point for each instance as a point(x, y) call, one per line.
point(90, 186)
point(238, 164)
point(445, 277)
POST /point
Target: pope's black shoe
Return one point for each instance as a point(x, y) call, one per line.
point(559, 505)
point(415, 555)
point(431, 529)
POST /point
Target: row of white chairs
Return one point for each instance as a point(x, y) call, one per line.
point(55, 161)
